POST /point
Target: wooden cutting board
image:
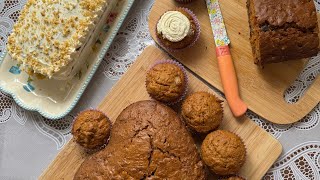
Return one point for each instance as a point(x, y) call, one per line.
point(262, 148)
point(261, 89)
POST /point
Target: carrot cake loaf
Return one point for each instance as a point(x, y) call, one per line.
point(282, 30)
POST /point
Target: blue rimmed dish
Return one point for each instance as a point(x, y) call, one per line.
point(54, 99)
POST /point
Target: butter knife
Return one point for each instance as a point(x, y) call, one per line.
point(225, 63)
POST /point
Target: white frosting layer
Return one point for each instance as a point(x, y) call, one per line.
point(174, 26)
point(80, 57)
point(51, 35)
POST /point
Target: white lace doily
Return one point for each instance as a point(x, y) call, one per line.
point(28, 138)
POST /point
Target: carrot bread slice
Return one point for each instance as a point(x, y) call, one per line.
point(51, 35)
point(282, 30)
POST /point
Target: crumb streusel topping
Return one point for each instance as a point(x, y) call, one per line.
point(48, 32)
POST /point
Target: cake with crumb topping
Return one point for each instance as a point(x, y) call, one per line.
point(50, 36)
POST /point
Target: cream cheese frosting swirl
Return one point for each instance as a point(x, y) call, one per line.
point(174, 26)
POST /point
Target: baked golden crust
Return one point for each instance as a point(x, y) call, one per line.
point(223, 152)
point(202, 112)
point(148, 141)
point(282, 30)
point(165, 82)
point(91, 129)
point(48, 32)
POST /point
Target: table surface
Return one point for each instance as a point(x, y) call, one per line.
point(29, 142)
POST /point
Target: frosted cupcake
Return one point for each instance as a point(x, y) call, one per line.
point(91, 129)
point(166, 82)
point(178, 29)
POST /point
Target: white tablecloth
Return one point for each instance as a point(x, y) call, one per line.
point(29, 142)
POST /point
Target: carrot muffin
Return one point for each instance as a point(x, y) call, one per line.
point(223, 152)
point(202, 112)
point(91, 129)
point(178, 29)
point(166, 82)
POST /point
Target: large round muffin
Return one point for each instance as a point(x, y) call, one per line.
point(148, 141)
point(223, 152)
point(202, 112)
point(91, 129)
point(166, 82)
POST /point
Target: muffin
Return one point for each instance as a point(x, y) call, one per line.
point(91, 129)
point(166, 82)
point(148, 141)
point(177, 29)
point(202, 112)
point(223, 152)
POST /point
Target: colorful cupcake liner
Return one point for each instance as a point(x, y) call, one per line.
point(88, 150)
point(185, 78)
point(246, 152)
point(198, 32)
point(198, 27)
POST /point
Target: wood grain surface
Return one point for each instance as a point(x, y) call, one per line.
point(262, 148)
point(262, 89)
